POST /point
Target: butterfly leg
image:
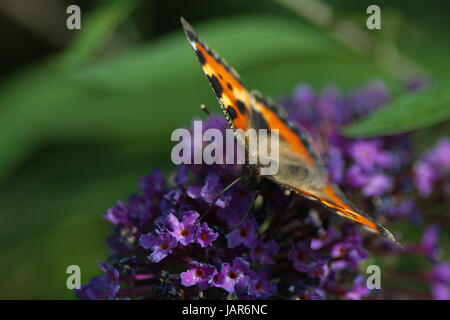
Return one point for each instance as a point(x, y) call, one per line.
point(219, 195)
point(205, 110)
point(250, 209)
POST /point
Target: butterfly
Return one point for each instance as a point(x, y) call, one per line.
point(301, 169)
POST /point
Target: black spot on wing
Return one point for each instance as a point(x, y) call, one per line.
point(241, 106)
point(259, 121)
point(232, 112)
point(200, 56)
point(216, 85)
point(229, 86)
point(191, 35)
point(224, 64)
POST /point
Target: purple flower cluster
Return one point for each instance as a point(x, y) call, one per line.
point(433, 169)
point(164, 246)
point(103, 286)
point(440, 281)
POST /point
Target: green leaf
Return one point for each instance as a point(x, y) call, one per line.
point(425, 139)
point(97, 29)
point(146, 92)
point(410, 111)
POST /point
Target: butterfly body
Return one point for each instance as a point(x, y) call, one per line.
point(300, 167)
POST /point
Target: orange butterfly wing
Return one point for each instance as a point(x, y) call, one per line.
point(226, 83)
point(301, 169)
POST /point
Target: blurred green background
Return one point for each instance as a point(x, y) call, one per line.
point(84, 113)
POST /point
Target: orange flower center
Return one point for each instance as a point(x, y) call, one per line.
point(301, 256)
point(243, 233)
point(199, 273)
point(184, 232)
point(232, 275)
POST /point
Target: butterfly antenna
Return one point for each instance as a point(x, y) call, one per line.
point(219, 195)
point(205, 110)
